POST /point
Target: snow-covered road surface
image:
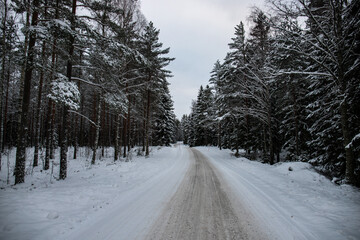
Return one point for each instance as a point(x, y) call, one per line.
point(103, 201)
point(201, 209)
point(178, 193)
point(290, 204)
point(131, 215)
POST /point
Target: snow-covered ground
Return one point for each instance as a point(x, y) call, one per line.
point(297, 204)
point(125, 197)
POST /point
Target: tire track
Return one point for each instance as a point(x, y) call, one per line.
point(200, 209)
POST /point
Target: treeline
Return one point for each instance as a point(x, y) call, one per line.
point(81, 73)
point(290, 91)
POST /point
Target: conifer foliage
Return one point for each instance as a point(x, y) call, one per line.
point(290, 91)
point(97, 73)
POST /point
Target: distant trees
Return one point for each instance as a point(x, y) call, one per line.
point(292, 86)
point(94, 78)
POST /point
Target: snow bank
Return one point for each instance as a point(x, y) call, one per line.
point(290, 199)
point(83, 206)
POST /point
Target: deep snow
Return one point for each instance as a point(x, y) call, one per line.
point(123, 199)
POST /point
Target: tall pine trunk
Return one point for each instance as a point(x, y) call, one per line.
point(3, 78)
point(4, 125)
point(63, 139)
point(50, 108)
point(38, 109)
point(97, 130)
point(117, 137)
point(125, 136)
point(76, 130)
point(22, 130)
point(147, 128)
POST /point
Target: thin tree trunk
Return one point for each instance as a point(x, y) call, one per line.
point(23, 67)
point(271, 144)
point(3, 78)
point(51, 108)
point(103, 135)
point(144, 131)
point(38, 109)
point(97, 131)
point(349, 154)
point(264, 141)
point(22, 131)
point(48, 136)
point(147, 152)
point(53, 145)
point(81, 137)
point(76, 131)
point(4, 125)
point(117, 138)
point(219, 136)
point(125, 136)
point(75, 136)
point(129, 126)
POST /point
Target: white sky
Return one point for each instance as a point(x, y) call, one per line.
point(197, 32)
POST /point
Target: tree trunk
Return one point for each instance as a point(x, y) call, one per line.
point(76, 130)
point(22, 130)
point(103, 133)
point(97, 131)
point(349, 175)
point(3, 79)
point(271, 145)
point(264, 142)
point(143, 131)
point(50, 108)
point(4, 125)
point(129, 126)
point(38, 109)
point(75, 136)
point(117, 137)
point(344, 108)
point(219, 135)
point(63, 141)
point(48, 135)
point(23, 67)
point(147, 152)
point(125, 136)
point(53, 145)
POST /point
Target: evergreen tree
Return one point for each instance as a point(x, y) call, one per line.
point(164, 124)
point(154, 73)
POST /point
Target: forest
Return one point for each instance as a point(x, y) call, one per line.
point(83, 74)
point(289, 90)
point(93, 74)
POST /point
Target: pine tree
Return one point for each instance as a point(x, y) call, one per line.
point(154, 73)
point(164, 122)
point(22, 131)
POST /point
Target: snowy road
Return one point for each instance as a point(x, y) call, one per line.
point(132, 214)
point(179, 193)
point(201, 208)
point(164, 208)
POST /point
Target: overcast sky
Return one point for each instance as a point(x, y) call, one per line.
point(197, 32)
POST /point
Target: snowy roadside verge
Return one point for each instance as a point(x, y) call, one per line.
point(291, 204)
point(39, 209)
